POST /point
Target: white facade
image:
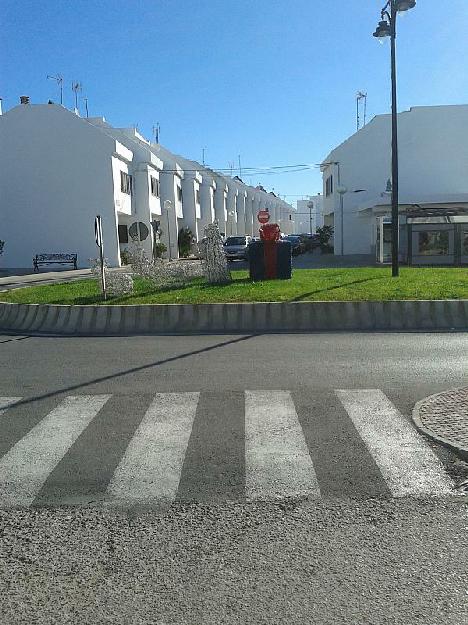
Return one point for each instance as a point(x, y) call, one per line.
point(433, 157)
point(172, 218)
point(309, 214)
point(57, 172)
point(146, 195)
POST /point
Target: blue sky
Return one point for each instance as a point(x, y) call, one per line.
point(272, 81)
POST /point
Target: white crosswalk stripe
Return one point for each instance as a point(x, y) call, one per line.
point(152, 465)
point(406, 462)
point(7, 402)
point(277, 460)
point(25, 468)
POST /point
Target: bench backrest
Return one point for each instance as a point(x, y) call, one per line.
point(58, 257)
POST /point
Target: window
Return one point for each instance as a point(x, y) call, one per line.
point(125, 183)
point(329, 186)
point(197, 196)
point(179, 194)
point(433, 243)
point(154, 186)
point(123, 234)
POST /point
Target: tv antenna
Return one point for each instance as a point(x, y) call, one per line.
point(156, 132)
point(361, 95)
point(77, 88)
point(59, 80)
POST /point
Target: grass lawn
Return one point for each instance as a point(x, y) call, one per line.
point(357, 284)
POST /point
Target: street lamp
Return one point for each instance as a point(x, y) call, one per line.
point(387, 28)
point(342, 191)
point(167, 207)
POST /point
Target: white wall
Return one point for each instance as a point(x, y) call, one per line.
point(57, 172)
point(433, 159)
point(305, 215)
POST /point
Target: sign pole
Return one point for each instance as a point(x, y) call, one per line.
point(100, 244)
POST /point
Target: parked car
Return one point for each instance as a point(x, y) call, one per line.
point(311, 241)
point(237, 248)
point(297, 244)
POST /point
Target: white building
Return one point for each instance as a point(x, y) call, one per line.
point(192, 198)
point(433, 159)
point(57, 172)
point(146, 187)
point(309, 215)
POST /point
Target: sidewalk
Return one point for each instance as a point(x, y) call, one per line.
point(444, 417)
point(35, 279)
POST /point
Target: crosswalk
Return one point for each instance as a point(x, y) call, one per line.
point(255, 445)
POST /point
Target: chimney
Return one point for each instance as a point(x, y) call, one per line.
point(24, 99)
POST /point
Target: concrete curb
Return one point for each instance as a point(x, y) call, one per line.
point(444, 419)
point(422, 315)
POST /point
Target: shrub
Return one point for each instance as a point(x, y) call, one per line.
point(125, 256)
point(185, 241)
point(325, 234)
point(159, 249)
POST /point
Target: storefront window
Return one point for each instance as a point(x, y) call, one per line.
point(433, 243)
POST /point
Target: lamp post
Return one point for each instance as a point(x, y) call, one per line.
point(168, 206)
point(341, 190)
point(387, 28)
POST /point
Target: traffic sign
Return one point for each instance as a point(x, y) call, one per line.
point(98, 230)
point(263, 216)
point(138, 231)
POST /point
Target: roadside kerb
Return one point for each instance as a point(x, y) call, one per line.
point(444, 418)
point(402, 315)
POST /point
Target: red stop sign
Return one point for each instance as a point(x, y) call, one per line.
point(263, 217)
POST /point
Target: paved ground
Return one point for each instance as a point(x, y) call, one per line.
point(444, 417)
point(294, 506)
point(18, 278)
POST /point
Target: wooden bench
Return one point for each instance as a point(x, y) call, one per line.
point(55, 259)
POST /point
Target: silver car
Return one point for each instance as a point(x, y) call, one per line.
point(237, 247)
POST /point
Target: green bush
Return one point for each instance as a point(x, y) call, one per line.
point(185, 242)
point(325, 234)
point(159, 249)
point(125, 257)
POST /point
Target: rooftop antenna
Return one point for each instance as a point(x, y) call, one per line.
point(86, 106)
point(59, 80)
point(231, 166)
point(240, 167)
point(203, 156)
point(77, 87)
point(360, 95)
point(156, 131)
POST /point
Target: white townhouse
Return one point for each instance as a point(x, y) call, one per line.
point(192, 198)
point(220, 201)
point(231, 207)
point(433, 193)
point(145, 188)
point(241, 207)
point(57, 172)
point(251, 210)
point(172, 199)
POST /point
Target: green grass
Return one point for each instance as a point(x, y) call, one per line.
point(359, 284)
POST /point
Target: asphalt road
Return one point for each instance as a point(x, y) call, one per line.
point(75, 547)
